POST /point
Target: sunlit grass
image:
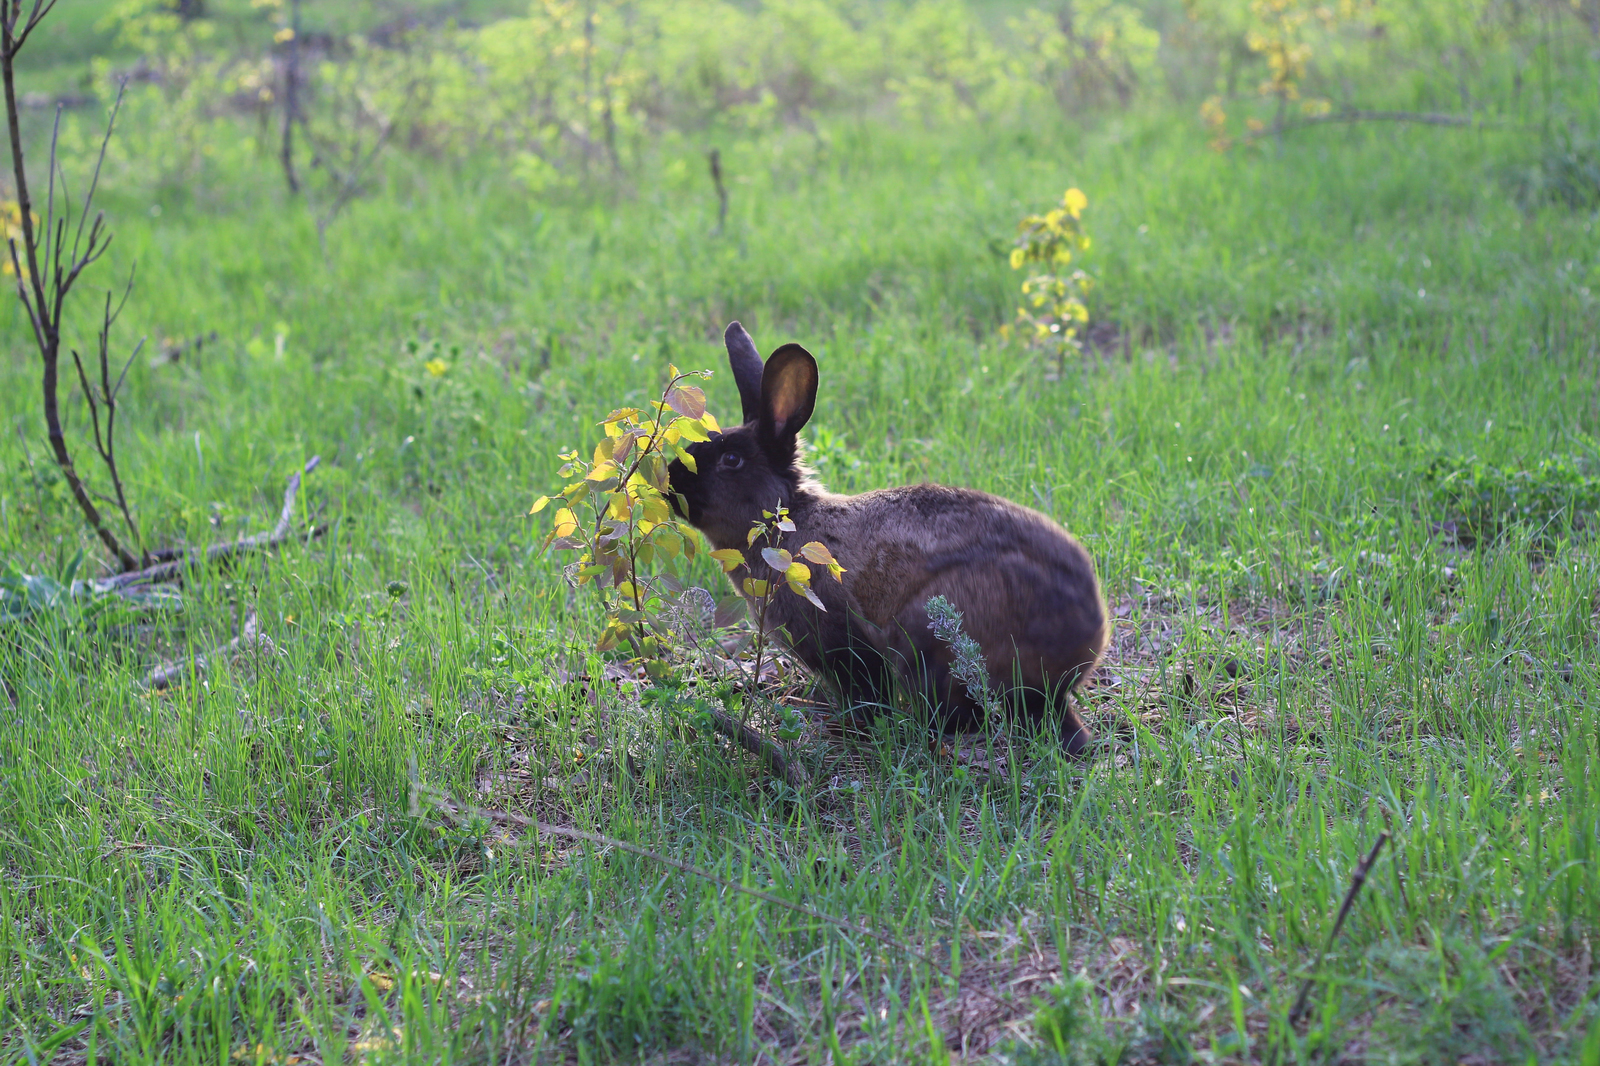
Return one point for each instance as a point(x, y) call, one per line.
point(234, 869)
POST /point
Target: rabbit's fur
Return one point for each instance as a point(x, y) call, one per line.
point(1027, 589)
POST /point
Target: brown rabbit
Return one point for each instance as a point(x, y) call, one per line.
point(1026, 588)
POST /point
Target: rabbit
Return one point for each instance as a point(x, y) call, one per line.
point(1027, 589)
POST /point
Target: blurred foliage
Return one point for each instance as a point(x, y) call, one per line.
point(572, 92)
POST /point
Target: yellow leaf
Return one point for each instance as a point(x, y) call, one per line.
point(710, 423)
point(566, 523)
point(797, 572)
point(755, 587)
point(617, 506)
point(686, 459)
point(603, 450)
point(691, 429)
point(611, 636)
point(381, 981)
point(817, 552)
point(755, 531)
point(1075, 201)
point(655, 508)
point(602, 471)
point(622, 413)
point(539, 504)
point(730, 558)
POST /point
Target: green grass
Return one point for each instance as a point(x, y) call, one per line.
point(1321, 355)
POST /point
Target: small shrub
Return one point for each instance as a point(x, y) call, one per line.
point(1061, 1028)
point(1475, 502)
point(1056, 304)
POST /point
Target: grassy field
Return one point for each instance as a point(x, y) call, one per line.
point(1333, 449)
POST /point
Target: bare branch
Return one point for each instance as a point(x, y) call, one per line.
point(94, 408)
point(34, 19)
point(94, 179)
point(1357, 878)
point(250, 636)
point(217, 553)
point(756, 744)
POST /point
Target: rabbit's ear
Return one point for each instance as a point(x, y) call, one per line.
point(788, 393)
point(746, 364)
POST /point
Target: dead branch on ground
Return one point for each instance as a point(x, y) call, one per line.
point(174, 569)
point(250, 636)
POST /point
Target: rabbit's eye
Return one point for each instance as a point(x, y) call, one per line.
point(730, 461)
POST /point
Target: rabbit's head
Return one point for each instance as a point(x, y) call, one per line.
point(747, 469)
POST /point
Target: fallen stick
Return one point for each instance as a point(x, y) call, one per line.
point(166, 676)
point(1357, 879)
point(216, 553)
point(759, 746)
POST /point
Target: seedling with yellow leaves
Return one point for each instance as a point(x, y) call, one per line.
point(1056, 304)
point(790, 570)
point(616, 516)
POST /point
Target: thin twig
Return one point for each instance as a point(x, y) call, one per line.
point(722, 191)
point(216, 553)
point(1420, 118)
point(454, 811)
point(249, 636)
point(1357, 879)
point(291, 102)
